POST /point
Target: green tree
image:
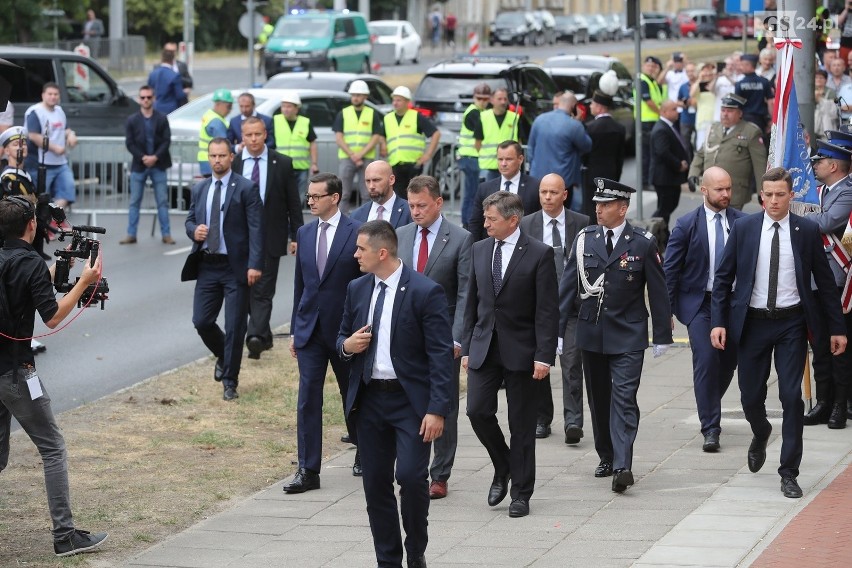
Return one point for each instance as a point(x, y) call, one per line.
point(21, 20)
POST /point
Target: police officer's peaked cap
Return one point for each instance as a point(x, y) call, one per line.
point(839, 138)
point(751, 58)
point(13, 133)
point(653, 59)
point(609, 190)
point(223, 96)
point(833, 151)
point(733, 101)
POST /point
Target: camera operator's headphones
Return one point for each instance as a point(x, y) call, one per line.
point(28, 208)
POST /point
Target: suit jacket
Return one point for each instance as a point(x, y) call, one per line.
point(235, 130)
point(833, 219)
point(606, 159)
point(533, 226)
point(687, 263)
point(421, 345)
point(739, 262)
point(666, 155)
point(527, 191)
point(134, 139)
point(400, 216)
point(524, 313)
point(448, 265)
point(168, 89)
point(318, 300)
point(282, 206)
point(242, 226)
point(183, 71)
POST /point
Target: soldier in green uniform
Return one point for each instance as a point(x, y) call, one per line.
point(734, 145)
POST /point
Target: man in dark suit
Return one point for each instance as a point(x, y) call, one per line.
point(180, 68)
point(247, 105)
point(510, 159)
point(151, 159)
point(774, 256)
point(436, 248)
point(282, 216)
point(604, 285)
point(167, 84)
point(694, 252)
point(384, 204)
point(606, 158)
point(324, 267)
point(670, 158)
point(225, 223)
point(510, 327)
point(556, 225)
point(396, 330)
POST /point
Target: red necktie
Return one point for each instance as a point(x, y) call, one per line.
point(423, 257)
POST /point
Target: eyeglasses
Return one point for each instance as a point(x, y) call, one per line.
point(144, 98)
point(315, 196)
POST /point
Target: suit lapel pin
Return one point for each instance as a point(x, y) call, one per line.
point(597, 235)
point(626, 237)
point(402, 289)
point(444, 240)
point(796, 228)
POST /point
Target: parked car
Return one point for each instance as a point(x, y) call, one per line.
point(615, 26)
point(400, 34)
point(730, 26)
point(380, 92)
point(545, 28)
point(696, 23)
point(657, 25)
point(598, 28)
point(572, 28)
point(512, 28)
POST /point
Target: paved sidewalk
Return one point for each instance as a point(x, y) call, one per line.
point(688, 508)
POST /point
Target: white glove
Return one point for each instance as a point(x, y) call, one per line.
point(559, 346)
point(660, 350)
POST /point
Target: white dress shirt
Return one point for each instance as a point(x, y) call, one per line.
point(430, 238)
point(547, 231)
point(788, 293)
point(711, 240)
point(386, 213)
point(616, 233)
point(329, 233)
point(507, 250)
point(226, 179)
point(382, 364)
point(516, 183)
point(263, 165)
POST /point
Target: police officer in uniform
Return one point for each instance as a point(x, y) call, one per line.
point(757, 91)
point(213, 125)
point(296, 139)
point(604, 285)
point(736, 146)
point(650, 99)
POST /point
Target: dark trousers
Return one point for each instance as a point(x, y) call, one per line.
point(611, 385)
point(831, 373)
point(313, 360)
point(688, 131)
point(787, 338)
point(391, 446)
point(260, 301)
point(571, 365)
point(522, 391)
point(403, 174)
point(217, 283)
point(646, 151)
point(712, 370)
point(445, 446)
point(668, 197)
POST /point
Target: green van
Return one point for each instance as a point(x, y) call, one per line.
point(319, 39)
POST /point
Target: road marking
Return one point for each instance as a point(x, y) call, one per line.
point(178, 251)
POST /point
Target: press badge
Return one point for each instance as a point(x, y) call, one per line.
point(34, 385)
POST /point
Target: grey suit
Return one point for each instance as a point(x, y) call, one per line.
point(448, 264)
point(569, 361)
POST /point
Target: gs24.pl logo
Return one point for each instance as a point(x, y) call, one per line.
point(790, 23)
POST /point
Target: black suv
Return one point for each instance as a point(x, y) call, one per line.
point(513, 28)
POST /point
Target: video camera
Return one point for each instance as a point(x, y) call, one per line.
point(81, 247)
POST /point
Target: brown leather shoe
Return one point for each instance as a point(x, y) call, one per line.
point(168, 240)
point(128, 240)
point(437, 490)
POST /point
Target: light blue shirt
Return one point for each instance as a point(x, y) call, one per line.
point(557, 141)
point(248, 166)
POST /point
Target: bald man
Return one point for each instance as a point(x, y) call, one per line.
point(384, 204)
point(692, 256)
point(556, 225)
point(670, 158)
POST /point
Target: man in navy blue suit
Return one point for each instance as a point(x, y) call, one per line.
point(235, 127)
point(396, 330)
point(774, 256)
point(324, 267)
point(384, 203)
point(694, 251)
point(225, 223)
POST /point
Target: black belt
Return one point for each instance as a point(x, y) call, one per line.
point(213, 258)
point(777, 313)
point(391, 385)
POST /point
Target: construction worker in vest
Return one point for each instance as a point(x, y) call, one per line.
point(468, 153)
point(358, 131)
point(213, 125)
point(652, 97)
point(295, 137)
point(262, 40)
point(406, 131)
point(496, 125)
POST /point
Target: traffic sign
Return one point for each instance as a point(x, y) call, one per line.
point(244, 25)
point(744, 6)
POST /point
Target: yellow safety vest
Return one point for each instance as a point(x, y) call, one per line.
point(657, 96)
point(204, 138)
point(293, 143)
point(493, 136)
point(467, 149)
point(357, 132)
point(265, 33)
point(405, 144)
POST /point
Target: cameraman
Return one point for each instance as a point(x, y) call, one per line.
point(29, 287)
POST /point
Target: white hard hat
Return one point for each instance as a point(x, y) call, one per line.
point(291, 97)
point(359, 87)
point(403, 92)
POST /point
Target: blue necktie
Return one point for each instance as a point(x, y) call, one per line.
point(374, 342)
point(720, 241)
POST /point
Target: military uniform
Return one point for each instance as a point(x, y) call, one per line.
point(607, 293)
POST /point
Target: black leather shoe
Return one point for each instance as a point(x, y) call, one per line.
point(255, 347)
point(230, 393)
point(711, 442)
point(621, 480)
point(757, 454)
point(542, 431)
point(573, 434)
point(219, 370)
point(790, 488)
point(304, 480)
point(499, 489)
point(837, 420)
point(849, 410)
point(346, 439)
point(417, 562)
point(604, 469)
point(519, 508)
point(819, 414)
point(356, 466)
